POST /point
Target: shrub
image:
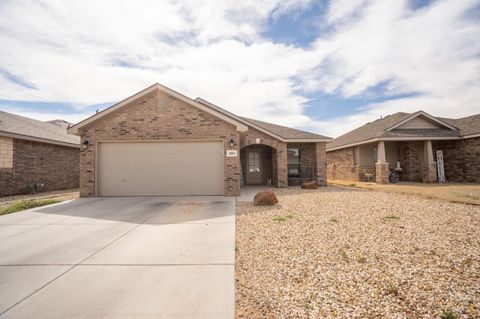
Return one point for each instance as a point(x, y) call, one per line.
point(391, 217)
point(448, 314)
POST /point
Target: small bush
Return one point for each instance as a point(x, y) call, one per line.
point(27, 204)
point(391, 217)
point(362, 259)
point(344, 254)
point(353, 185)
point(280, 218)
point(333, 220)
point(392, 289)
point(448, 314)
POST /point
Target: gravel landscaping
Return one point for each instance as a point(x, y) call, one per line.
point(346, 253)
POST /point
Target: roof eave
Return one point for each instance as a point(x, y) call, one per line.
point(308, 140)
point(37, 139)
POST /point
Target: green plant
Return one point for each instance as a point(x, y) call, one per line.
point(362, 259)
point(280, 218)
point(344, 254)
point(27, 204)
point(392, 289)
point(353, 185)
point(448, 314)
point(391, 217)
point(333, 220)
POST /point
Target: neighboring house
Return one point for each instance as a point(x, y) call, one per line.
point(411, 141)
point(32, 151)
point(160, 142)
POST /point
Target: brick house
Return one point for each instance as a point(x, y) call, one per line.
point(417, 143)
point(32, 151)
point(160, 142)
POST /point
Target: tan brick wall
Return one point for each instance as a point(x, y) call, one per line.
point(159, 116)
point(6, 152)
point(53, 165)
point(343, 164)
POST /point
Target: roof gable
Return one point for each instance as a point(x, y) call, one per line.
point(421, 120)
point(75, 128)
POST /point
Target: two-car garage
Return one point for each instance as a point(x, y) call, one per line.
point(160, 168)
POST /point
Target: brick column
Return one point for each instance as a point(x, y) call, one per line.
point(282, 166)
point(381, 166)
point(429, 167)
point(381, 173)
point(321, 164)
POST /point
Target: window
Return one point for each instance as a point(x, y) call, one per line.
point(253, 162)
point(293, 163)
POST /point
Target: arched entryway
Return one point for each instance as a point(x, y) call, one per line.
point(258, 165)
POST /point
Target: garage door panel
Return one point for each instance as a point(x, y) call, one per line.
point(167, 168)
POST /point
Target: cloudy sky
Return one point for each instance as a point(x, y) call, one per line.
point(324, 66)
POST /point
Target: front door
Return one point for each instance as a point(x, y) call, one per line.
point(254, 172)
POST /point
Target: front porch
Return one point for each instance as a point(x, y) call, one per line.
point(414, 160)
point(289, 165)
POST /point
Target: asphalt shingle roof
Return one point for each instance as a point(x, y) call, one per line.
point(279, 130)
point(285, 132)
point(377, 129)
point(27, 127)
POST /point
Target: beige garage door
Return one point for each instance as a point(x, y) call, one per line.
point(166, 168)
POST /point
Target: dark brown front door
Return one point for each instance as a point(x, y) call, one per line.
point(254, 172)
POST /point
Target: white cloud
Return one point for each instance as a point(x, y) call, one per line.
point(92, 52)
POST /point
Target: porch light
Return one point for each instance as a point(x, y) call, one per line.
point(231, 142)
point(85, 144)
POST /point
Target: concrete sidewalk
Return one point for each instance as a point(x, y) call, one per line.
point(138, 257)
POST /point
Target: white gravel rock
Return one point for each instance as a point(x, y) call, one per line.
point(341, 253)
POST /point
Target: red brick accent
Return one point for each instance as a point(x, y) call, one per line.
point(53, 165)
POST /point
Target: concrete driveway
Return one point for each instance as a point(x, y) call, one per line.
point(137, 257)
